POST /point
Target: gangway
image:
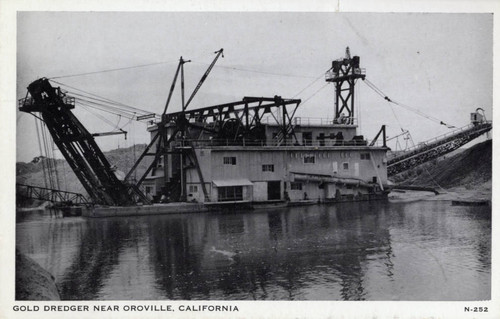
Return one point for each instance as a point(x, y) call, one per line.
point(436, 147)
point(50, 195)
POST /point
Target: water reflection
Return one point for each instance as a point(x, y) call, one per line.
point(352, 251)
point(98, 253)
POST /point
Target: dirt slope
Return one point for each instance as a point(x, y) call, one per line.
point(465, 175)
point(470, 168)
point(32, 173)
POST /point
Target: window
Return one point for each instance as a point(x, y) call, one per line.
point(149, 189)
point(230, 160)
point(309, 159)
point(365, 156)
point(295, 186)
point(230, 193)
point(268, 168)
point(193, 188)
point(345, 166)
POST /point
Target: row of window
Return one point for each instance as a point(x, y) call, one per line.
point(308, 159)
point(228, 193)
point(234, 193)
point(231, 160)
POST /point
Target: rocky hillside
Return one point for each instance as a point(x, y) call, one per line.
point(470, 168)
point(32, 173)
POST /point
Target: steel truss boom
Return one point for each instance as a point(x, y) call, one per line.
point(435, 148)
point(77, 145)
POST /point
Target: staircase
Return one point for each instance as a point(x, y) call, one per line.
point(280, 137)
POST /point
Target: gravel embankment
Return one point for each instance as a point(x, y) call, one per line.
point(32, 281)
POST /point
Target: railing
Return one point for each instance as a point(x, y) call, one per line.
point(435, 148)
point(318, 121)
point(51, 195)
point(272, 143)
point(29, 101)
point(331, 75)
point(431, 141)
point(306, 121)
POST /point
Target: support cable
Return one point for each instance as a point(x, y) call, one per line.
point(109, 100)
point(50, 155)
point(116, 127)
point(260, 72)
point(316, 92)
point(105, 103)
point(309, 85)
point(47, 155)
point(44, 147)
point(306, 87)
point(55, 164)
point(306, 100)
point(433, 180)
point(114, 109)
point(110, 70)
point(41, 154)
point(100, 108)
point(102, 118)
point(410, 108)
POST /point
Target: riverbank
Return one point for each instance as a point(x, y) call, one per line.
point(480, 192)
point(32, 281)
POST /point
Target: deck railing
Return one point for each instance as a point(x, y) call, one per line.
point(331, 75)
point(272, 143)
point(314, 121)
point(443, 137)
point(29, 101)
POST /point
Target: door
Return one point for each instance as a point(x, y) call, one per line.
point(273, 190)
point(307, 138)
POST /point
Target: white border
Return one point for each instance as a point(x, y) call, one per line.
point(266, 309)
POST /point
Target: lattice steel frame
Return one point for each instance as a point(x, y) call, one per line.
point(77, 145)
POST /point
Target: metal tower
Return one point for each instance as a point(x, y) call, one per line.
point(344, 73)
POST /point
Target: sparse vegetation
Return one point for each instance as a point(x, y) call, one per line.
point(32, 173)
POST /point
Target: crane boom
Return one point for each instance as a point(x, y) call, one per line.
point(204, 77)
point(77, 145)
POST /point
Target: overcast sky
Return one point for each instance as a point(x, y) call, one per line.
point(438, 63)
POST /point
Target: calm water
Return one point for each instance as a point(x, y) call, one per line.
point(427, 250)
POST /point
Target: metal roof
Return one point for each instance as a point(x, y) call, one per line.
point(232, 182)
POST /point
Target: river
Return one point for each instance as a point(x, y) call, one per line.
point(422, 250)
